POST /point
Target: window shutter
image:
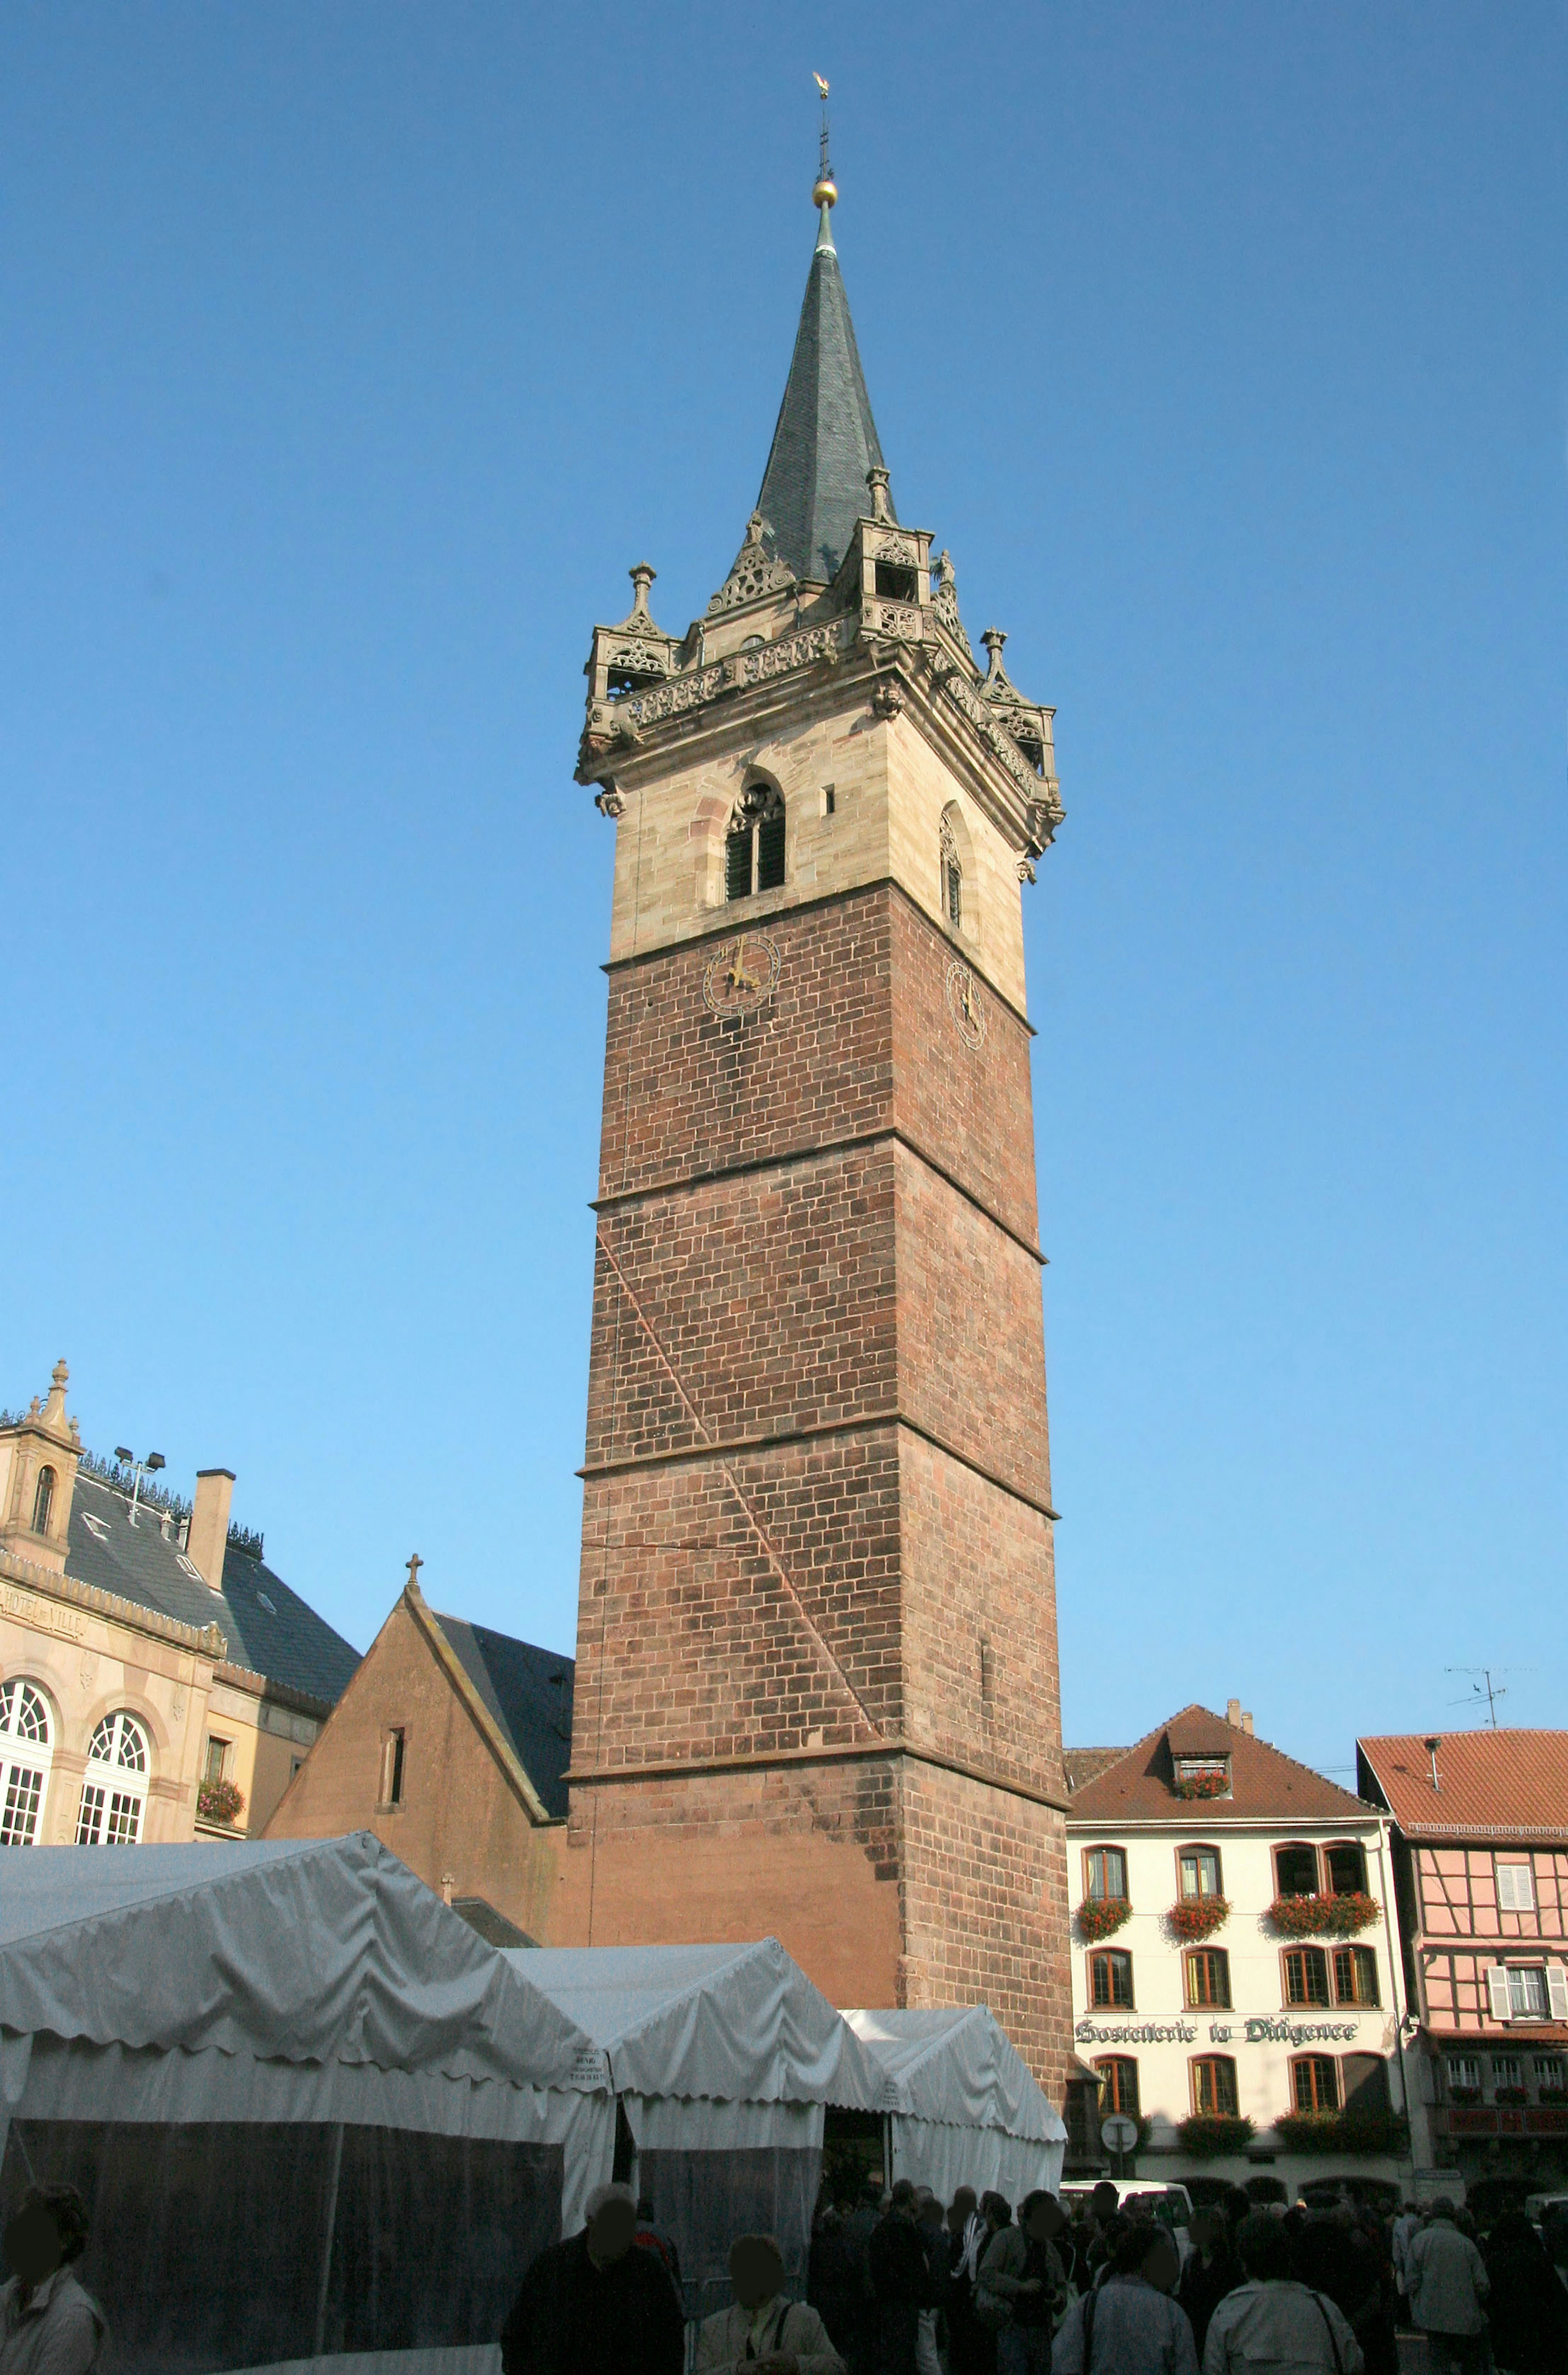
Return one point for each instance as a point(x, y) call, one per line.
point(1497, 1982)
point(1557, 1991)
point(738, 864)
point(770, 851)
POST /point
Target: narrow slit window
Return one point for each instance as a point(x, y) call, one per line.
point(393, 1754)
point(43, 1501)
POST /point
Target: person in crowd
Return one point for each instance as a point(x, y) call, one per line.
point(899, 2281)
point(1105, 2210)
point(1059, 2233)
point(1273, 2320)
point(1449, 2286)
point(594, 2306)
point(1332, 2255)
point(970, 2347)
point(860, 2225)
point(1128, 2323)
point(834, 2284)
point(650, 2238)
point(49, 2324)
point(934, 2242)
point(1022, 2289)
point(763, 2333)
point(1211, 2270)
point(1528, 2307)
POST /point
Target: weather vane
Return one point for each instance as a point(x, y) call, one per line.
point(826, 190)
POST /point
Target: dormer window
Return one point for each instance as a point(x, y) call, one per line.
point(754, 846)
point(43, 1501)
point(1203, 1777)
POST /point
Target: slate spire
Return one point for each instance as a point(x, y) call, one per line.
point(814, 486)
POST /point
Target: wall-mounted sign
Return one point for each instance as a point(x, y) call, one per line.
point(1146, 2032)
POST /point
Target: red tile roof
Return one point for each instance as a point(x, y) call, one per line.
point(1507, 1784)
point(1266, 1785)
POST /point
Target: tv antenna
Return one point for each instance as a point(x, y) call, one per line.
point(1483, 1685)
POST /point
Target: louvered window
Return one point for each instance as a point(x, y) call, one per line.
point(754, 846)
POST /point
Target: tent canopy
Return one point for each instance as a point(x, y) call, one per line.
point(310, 1952)
point(958, 2067)
point(738, 2022)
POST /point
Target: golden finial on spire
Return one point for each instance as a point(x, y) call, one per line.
point(826, 190)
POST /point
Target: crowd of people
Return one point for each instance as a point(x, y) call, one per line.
point(899, 2283)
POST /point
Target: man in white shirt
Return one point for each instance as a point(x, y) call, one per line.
point(763, 2333)
point(1271, 2325)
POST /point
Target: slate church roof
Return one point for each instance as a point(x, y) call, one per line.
point(527, 1693)
point(814, 486)
point(269, 1629)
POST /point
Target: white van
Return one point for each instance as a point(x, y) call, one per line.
point(1172, 2205)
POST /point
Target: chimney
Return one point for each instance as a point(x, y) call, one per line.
point(209, 1537)
point(1246, 1722)
point(1233, 1714)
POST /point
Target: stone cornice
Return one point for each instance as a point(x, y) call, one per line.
point(885, 655)
point(262, 1686)
point(48, 1585)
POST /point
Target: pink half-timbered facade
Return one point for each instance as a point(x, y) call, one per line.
point(1480, 1863)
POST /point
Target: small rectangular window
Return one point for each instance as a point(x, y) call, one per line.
point(830, 800)
point(1549, 2074)
point(1463, 2073)
point(1105, 1873)
point(1315, 2082)
point(1118, 2085)
point(1110, 1980)
point(1209, 1978)
point(1200, 1872)
point(1507, 2070)
point(1306, 1976)
point(1526, 1992)
point(1355, 1975)
point(1296, 1870)
point(1515, 1888)
point(1347, 1871)
point(217, 1755)
point(1214, 2092)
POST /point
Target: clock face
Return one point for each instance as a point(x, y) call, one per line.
point(965, 1004)
point(741, 974)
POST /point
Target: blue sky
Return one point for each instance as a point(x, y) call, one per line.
point(353, 355)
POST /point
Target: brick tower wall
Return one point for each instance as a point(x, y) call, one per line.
point(816, 1480)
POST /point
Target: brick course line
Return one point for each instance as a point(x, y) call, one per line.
point(866, 1422)
point(818, 1152)
point(852, 1752)
point(752, 1518)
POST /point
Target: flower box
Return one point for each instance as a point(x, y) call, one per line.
point(219, 1801)
point(1510, 2095)
point(1343, 2132)
point(1192, 1918)
point(1464, 2093)
point(1202, 1785)
point(1323, 1917)
point(1100, 1917)
point(1208, 2134)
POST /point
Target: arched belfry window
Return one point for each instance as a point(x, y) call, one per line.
point(754, 846)
point(43, 1501)
point(952, 878)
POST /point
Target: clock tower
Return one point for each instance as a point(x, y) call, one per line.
point(817, 1684)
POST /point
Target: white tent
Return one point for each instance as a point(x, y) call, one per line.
point(313, 2112)
point(969, 2110)
point(725, 2060)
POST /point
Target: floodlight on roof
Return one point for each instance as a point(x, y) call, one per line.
point(156, 1459)
point(124, 1452)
